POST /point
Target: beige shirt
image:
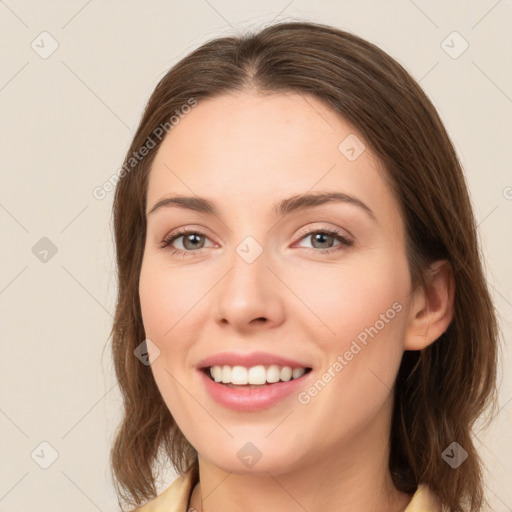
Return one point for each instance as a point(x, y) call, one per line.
point(177, 496)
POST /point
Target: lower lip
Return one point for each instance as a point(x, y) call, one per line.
point(255, 399)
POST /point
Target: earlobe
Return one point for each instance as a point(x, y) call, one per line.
point(432, 308)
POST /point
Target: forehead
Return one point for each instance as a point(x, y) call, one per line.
point(249, 150)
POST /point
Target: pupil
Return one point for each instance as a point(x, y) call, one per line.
point(319, 236)
point(190, 239)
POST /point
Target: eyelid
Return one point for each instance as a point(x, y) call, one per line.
point(336, 232)
point(344, 241)
point(182, 232)
point(325, 229)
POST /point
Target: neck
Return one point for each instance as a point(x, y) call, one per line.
point(353, 476)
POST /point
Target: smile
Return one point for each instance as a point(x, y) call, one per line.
point(259, 375)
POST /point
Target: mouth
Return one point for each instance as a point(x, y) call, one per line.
point(253, 381)
point(253, 377)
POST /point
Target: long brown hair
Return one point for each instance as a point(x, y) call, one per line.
point(441, 390)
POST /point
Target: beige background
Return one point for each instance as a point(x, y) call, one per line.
point(66, 122)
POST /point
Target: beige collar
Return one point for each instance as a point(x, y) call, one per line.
point(176, 497)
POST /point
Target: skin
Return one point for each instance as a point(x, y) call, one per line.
point(245, 152)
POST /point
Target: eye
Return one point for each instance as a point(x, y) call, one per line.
point(322, 239)
point(192, 240)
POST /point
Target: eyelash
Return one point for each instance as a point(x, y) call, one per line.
point(166, 243)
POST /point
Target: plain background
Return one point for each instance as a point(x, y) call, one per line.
point(66, 123)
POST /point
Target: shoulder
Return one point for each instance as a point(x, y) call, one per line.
point(175, 498)
point(423, 500)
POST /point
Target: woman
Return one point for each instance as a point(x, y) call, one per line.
point(302, 321)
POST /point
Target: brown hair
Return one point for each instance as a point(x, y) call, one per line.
point(441, 390)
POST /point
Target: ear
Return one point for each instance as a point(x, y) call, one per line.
point(432, 308)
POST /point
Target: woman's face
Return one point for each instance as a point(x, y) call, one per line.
point(261, 284)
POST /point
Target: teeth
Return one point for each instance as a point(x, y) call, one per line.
point(297, 372)
point(287, 373)
point(255, 375)
point(238, 375)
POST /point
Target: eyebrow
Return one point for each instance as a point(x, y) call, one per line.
point(282, 208)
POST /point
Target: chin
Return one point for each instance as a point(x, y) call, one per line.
point(249, 460)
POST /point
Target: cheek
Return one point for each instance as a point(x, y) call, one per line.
point(165, 302)
point(164, 306)
point(348, 299)
point(363, 315)
point(168, 300)
point(173, 308)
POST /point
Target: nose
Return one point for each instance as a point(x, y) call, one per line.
point(250, 296)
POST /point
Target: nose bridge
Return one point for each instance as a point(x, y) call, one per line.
point(249, 274)
point(249, 290)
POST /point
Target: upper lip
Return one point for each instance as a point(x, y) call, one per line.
point(249, 359)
